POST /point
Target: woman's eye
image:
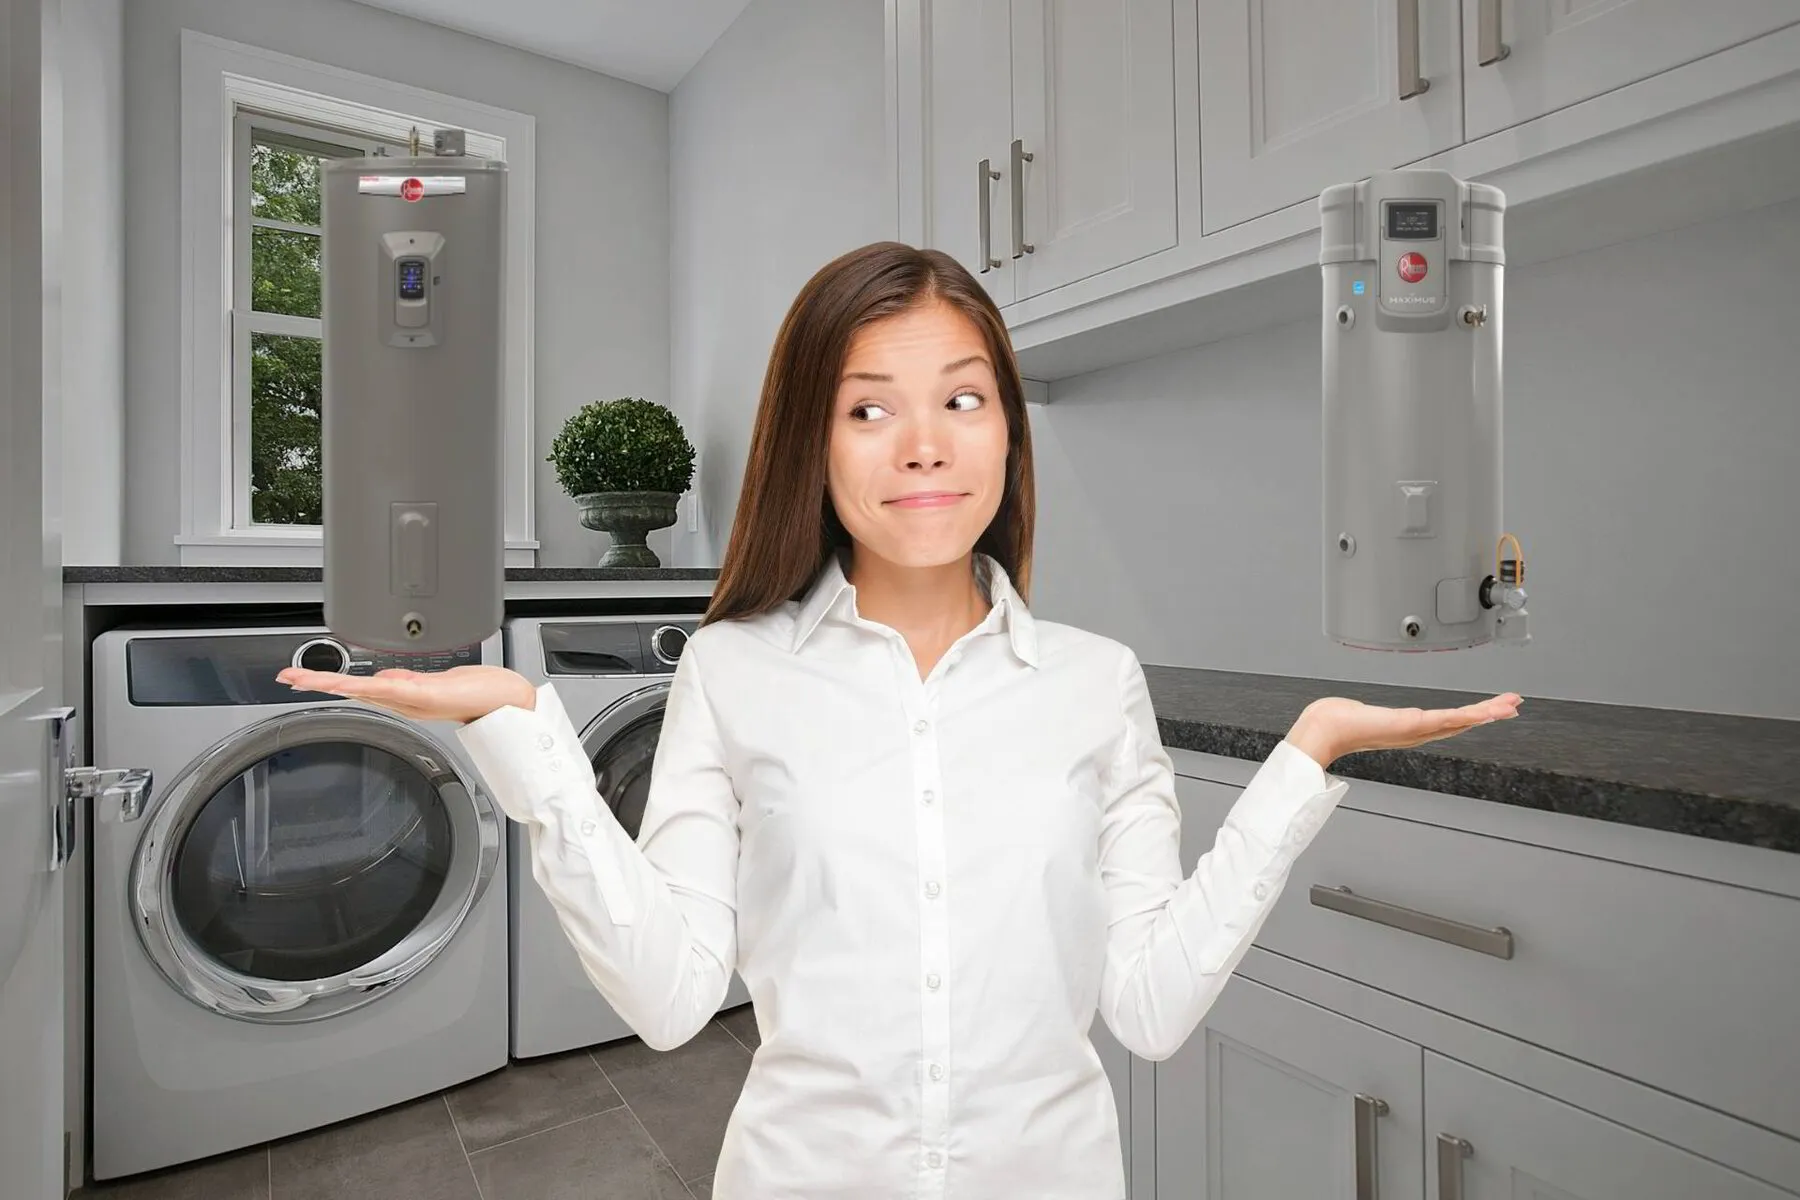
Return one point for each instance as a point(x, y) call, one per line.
point(973, 399)
point(861, 411)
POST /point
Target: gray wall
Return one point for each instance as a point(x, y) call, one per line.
point(602, 226)
point(1652, 474)
point(779, 164)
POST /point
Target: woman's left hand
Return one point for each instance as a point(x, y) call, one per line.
point(1333, 726)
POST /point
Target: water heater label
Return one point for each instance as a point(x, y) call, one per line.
point(1412, 266)
point(411, 187)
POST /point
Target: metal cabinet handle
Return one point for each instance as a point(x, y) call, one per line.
point(1490, 49)
point(59, 725)
point(1451, 1150)
point(1497, 941)
point(1020, 156)
point(987, 216)
point(1406, 18)
point(129, 786)
point(1369, 1109)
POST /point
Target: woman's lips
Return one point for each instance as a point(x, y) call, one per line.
point(927, 499)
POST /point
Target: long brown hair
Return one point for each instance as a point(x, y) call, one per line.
point(786, 526)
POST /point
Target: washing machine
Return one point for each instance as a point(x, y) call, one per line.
point(306, 918)
point(612, 674)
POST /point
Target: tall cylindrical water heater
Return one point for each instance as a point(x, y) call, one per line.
point(412, 465)
point(1415, 557)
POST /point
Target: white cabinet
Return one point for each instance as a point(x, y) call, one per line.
point(1490, 1139)
point(1273, 1096)
point(1296, 95)
point(1525, 58)
point(1049, 128)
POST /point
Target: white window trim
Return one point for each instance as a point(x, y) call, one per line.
point(217, 76)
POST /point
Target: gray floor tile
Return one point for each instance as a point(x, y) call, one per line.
point(604, 1157)
point(239, 1177)
point(702, 1188)
point(530, 1097)
point(683, 1096)
point(741, 1022)
point(410, 1152)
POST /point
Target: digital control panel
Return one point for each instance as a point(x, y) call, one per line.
point(412, 279)
point(1412, 221)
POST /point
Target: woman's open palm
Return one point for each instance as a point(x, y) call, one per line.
point(461, 694)
point(1356, 726)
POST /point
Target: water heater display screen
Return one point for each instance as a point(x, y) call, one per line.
point(1412, 220)
point(412, 279)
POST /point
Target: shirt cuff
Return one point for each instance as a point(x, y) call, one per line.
point(1288, 800)
point(524, 755)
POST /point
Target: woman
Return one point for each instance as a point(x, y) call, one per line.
point(932, 833)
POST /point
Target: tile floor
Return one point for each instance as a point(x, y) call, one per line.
point(620, 1122)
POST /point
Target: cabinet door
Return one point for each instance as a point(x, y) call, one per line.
point(1561, 52)
point(1491, 1139)
point(1094, 107)
point(1274, 1096)
point(1296, 95)
point(968, 122)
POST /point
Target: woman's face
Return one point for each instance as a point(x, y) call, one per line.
point(918, 438)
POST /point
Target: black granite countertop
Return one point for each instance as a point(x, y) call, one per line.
point(172, 574)
point(1712, 775)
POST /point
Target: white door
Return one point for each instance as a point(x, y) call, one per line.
point(1296, 95)
point(31, 900)
point(1094, 105)
point(1525, 58)
point(968, 127)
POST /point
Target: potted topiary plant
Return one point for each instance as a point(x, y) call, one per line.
point(626, 464)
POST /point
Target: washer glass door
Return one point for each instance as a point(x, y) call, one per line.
point(621, 744)
point(304, 865)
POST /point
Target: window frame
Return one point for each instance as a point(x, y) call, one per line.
point(228, 89)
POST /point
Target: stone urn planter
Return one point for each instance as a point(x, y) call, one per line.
point(626, 464)
point(629, 517)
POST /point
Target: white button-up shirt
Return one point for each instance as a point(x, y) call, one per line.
point(929, 887)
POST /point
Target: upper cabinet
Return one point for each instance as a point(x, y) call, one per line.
point(1050, 132)
point(1296, 95)
point(1525, 58)
point(1130, 176)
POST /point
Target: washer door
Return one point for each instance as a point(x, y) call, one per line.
point(304, 865)
point(621, 744)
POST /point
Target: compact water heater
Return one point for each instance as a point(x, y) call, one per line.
point(415, 550)
point(1415, 557)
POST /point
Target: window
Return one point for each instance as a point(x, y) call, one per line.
point(256, 129)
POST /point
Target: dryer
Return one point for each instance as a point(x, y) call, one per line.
point(306, 920)
point(612, 674)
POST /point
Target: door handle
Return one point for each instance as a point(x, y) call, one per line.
point(1369, 1109)
point(1451, 1150)
point(1406, 22)
point(59, 725)
point(1489, 49)
point(985, 192)
point(1497, 941)
point(1020, 156)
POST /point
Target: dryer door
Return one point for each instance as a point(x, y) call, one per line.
point(621, 743)
point(304, 865)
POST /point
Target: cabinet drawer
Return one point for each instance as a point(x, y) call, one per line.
point(1681, 983)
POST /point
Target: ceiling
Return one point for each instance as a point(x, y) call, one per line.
point(649, 42)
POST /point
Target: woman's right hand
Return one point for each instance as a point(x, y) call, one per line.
point(461, 694)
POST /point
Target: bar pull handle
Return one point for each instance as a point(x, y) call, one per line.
point(1369, 1109)
point(1020, 156)
point(1407, 20)
point(1490, 49)
point(1451, 1150)
point(988, 174)
point(1497, 941)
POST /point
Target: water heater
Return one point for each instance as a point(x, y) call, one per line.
point(1415, 554)
point(413, 269)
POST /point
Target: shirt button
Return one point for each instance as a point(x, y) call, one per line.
point(588, 827)
point(935, 1159)
point(545, 741)
point(932, 981)
point(1260, 891)
point(920, 727)
point(929, 796)
point(937, 1072)
point(932, 889)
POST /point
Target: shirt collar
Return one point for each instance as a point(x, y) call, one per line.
point(832, 597)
